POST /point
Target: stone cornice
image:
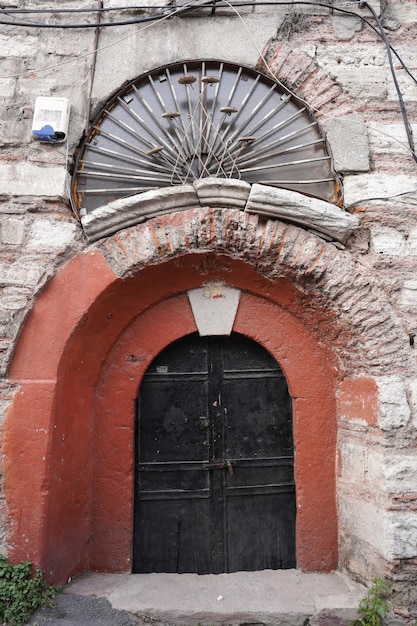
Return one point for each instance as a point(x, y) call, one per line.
point(322, 217)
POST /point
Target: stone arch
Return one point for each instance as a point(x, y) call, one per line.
point(302, 75)
point(104, 316)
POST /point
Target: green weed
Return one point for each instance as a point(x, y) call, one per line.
point(374, 606)
point(22, 591)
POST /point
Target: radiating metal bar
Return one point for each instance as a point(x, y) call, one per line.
point(127, 128)
point(287, 164)
point(216, 95)
point(266, 118)
point(141, 121)
point(97, 166)
point(313, 181)
point(221, 121)
point(115, 177)
point(116, 190)
point(159, 138)
point(164, 107)
point(282, 124)
point(282, 139)
point(174, 95)
point(120, 141)
point(253, 130)
point(274, 144)
point(119, 156)
point(254, 111)
point(262, 156)
point(187, 90)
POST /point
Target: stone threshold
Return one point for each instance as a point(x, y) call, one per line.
point(282, 597)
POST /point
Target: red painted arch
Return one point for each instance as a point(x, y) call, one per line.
point(78, 365)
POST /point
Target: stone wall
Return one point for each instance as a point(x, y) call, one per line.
point(339, 67)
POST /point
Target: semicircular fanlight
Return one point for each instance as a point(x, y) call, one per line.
point(197, 120)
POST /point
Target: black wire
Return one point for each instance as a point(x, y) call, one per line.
point(408, 128)
point(97, 10)
point(179, 10)
point(379, 30)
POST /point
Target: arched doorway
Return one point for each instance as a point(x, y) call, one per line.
point(131, 304)
point(214, 476)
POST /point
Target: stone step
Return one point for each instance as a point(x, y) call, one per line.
point(281, 597)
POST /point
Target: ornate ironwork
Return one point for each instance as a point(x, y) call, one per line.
point(196, 120)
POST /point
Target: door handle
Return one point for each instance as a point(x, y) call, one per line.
point(221, 465)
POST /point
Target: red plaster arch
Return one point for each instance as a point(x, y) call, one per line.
point(305, 301)
point(79, 364)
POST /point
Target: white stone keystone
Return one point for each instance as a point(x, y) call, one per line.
point(214, 308)
point(223, 192)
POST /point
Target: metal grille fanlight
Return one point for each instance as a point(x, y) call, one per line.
point(198, 120)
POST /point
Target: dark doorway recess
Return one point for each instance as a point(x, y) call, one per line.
point(214, 473)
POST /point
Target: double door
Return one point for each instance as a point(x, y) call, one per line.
point(214, 489)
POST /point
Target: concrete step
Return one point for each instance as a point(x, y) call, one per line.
point(281, 597)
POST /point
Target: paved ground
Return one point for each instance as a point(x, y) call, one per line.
point(279, 598)
point(77, 610)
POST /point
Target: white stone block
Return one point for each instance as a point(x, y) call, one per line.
point(13, 299)
point(296, 208)
point(345, 26)
point(220, 192)
point(349, 144)
point(408, 88)
point(20, 44)
point(214, 308)
point(365, 520)
point(364, 187)
point(408, 296)
point(24, 271)
point(393, 534)
point(412, 386)
point(393, 409)
point(389, 138)
point(412, 242)
point(400, 472)
point(374, 476)
point(132, 210)
point(363, 82)
point(387, 241)
point(7, 88)
point(405, 12)
point(45, 234)
point(403, 527)
point(12, 231)
point(353, 457)
point(19, 178)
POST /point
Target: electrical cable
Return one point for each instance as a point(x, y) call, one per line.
point(208, 4)
point(33, 72)
point(196, 4)
point(143, 18)
point(408, 128)
point(93, 67)
point(409, 147)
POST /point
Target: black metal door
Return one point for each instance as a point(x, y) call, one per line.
point(214, 474)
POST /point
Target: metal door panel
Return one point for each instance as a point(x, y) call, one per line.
point(260, 530)
point(215, 484)
point(173, 536)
